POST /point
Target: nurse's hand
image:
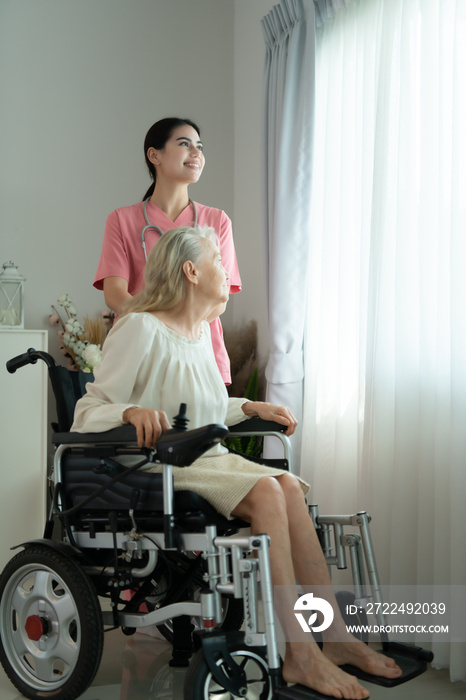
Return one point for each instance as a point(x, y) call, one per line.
point(149, 424)
point(270, 411)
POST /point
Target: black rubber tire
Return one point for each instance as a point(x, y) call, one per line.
point(233, 618)
point(199, 684)
point(345, 599)
point(41, 582)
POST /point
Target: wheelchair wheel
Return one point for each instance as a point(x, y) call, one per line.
point(200, 685)
point(51, 629)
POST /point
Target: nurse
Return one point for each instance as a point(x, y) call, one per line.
point(175, 158)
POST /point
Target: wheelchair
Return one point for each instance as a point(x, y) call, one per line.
point(122, 549)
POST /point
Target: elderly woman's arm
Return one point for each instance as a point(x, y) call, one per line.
point(113, 391)
point(240, 409)
point(272, 412)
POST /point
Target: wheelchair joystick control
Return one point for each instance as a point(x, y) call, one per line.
point(180, 422)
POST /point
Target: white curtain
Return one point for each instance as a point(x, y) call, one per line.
point(385, 358)
point(289, 32)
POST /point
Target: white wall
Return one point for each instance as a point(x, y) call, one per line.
point(249, 57)
point(81, 81)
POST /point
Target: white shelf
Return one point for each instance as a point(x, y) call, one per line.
point(23, 440)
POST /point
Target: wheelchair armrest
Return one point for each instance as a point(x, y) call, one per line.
point(179, 448)
point(125, 434)
point(257, 425)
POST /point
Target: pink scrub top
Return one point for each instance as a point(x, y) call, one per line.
point(122, 254)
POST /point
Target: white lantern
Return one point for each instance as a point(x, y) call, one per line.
point(11, 297)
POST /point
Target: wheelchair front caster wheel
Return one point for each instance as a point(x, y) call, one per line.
point(200, 685)
point(51, 629)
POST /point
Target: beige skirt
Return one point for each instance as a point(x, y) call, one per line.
point(223, 480)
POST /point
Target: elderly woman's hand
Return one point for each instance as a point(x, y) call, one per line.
point(270, 411)
point(149, 424)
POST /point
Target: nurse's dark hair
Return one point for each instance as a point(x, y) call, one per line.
point(157, 137)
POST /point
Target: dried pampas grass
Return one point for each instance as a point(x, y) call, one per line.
point(95, 330)
point(241, 345)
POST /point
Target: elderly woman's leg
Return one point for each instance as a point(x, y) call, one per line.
point(266, 508)
point(310, 568)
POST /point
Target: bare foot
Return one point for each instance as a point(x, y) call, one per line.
point(315, 671)
point(363, 657)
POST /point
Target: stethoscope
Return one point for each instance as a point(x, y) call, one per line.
point(157, 228)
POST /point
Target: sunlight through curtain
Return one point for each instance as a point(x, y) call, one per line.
point(385, 359)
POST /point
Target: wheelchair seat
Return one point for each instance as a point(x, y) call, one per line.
point(84, 476)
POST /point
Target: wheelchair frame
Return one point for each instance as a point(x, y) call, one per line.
point(228, 572)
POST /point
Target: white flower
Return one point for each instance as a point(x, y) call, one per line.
point(64, 300)
point(79, 347)
point(83, 354)
point(74, 327)
point(92, 355)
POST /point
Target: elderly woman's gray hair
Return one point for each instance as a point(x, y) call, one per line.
point(164, 276)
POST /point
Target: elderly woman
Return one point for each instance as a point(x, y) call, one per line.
point(159, 354)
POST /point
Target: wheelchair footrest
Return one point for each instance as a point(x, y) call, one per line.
point(411, 659)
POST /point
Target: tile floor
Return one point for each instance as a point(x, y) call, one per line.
point(136, 668)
